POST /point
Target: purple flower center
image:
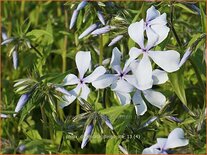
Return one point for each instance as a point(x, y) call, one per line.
point(81, 81)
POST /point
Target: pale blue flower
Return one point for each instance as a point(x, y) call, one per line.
point(175, 139)
point(83, 62)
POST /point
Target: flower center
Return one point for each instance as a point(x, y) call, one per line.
point(81, 81)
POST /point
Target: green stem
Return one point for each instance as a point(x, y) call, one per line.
point(44, 118)
point(101, 49)
point(78, 107)
point(22, 11)
point(65, 44)
point(172, 27)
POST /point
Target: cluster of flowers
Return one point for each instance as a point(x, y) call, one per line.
point(137, 76)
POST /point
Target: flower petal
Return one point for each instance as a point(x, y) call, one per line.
point(152, 13)
point(22, 101)
point(159, 77)
point(131, 79)
point(88, 30)
point(81, 5)
point(70, 79)
point(140, 105)
point(167, 60)
point(95, 74)
point(176, 139)
point(122, 86)
point(83, 61)
point(84, 92)
point(160, 20)
point(100, 17)
point(160, 143)
point(104, 81)
point(135, 52)
point(161, 31)
point(70, 98)
point(150, 150)
point(136, 32)
point(15, 59)
point(143, 73)
point(152, 38)
point(123, 97)
point(116, 59)
point(155, 98)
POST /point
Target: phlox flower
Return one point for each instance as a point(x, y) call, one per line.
point(175, 139)
point(155, 98)
point(119, 80)
point(83, 61)
point(156, 31)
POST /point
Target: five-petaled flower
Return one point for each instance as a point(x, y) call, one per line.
point(175, 139)
point(83, 62)
point(156, 31)
point(119, 81)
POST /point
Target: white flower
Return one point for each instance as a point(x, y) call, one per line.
point(156, 31)
point(119, 81)
point(175, 139)
point(155, 98)
point(83, 61)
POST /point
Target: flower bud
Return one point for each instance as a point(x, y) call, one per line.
point(101, 30)
point(81, 5)
point(123, 149)
point(100, 17)
point(115, 40)
point(73, 18)
point(108, 122)
point(88, 30)
point(7, 41)
point(87, 133)
point(3, 116)
point(185, 57)
point(23, 99)
point(15, 58)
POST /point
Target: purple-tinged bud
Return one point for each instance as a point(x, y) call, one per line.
point(4, 116)
point(4, 36)
point(15, 59)
point(23, 99)
point(108, 122)
point(87, 134)
point(102, 30)
point(100, 17)
point(149, 121)
point(63, 90)
point(175, 119)
point(123, 150)
point(88, 30)
point(7, 41)
point(81, 5)
point(21, 148)
point(73, 18)
point(185, 57)
point(115, 40)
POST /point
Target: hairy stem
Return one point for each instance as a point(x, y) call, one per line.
point(64, 62)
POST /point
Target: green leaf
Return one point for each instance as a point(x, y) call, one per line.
point(177, 81)
point(112, 146)
point(33, 134)
point(203, 18)
point(120, 116)
point(185, 8)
